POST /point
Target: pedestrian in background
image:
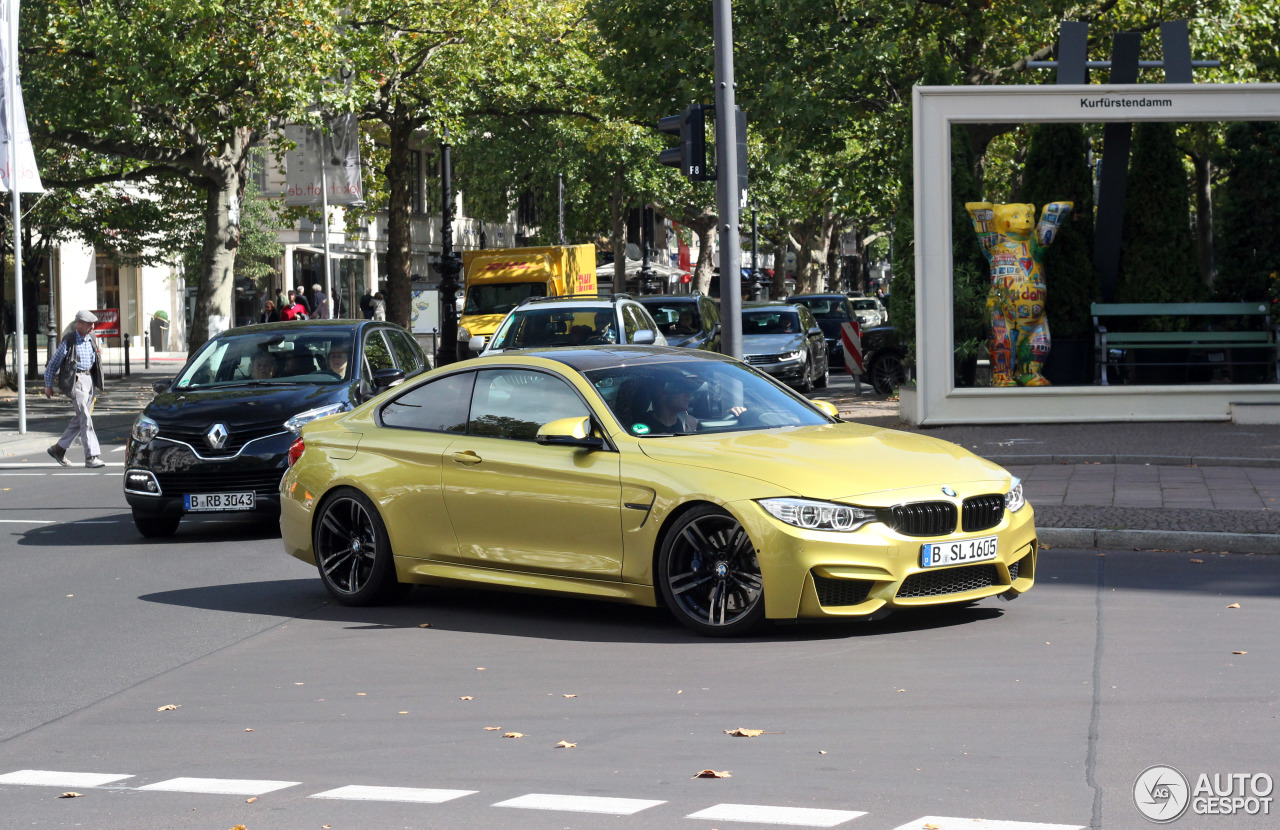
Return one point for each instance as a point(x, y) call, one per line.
point(379, 307)
point(300, 297)
point(366, 305)
point(80, 380)
point(269, 313)
point(293, 310)
point(319, 303)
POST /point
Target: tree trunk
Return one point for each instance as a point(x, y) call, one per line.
point(215, 295)
point(618, 238)
point(399, 171)
point(1204, 215)
point(779, 288)
point(702, 274)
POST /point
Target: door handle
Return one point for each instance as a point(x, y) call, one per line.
point(469, 458)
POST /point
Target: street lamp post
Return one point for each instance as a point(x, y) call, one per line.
point(447, 347)
point(727, 195)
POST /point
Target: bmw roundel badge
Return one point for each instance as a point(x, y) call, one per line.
point(947, 491)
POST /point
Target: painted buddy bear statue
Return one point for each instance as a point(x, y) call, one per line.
point(1019, 343)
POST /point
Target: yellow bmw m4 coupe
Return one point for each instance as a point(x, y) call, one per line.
point(647, 475)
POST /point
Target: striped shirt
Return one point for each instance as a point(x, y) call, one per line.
point(84, 357)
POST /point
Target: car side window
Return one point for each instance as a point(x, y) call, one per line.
point(438, 406)
point(633, 321)
point(514, 403)
point(408, 354)
point(806, 319)
point(376, 354)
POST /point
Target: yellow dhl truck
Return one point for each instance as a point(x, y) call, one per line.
point(498, 280)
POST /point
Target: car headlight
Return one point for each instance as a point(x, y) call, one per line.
point(790, 356)
point(464, 334)
point(1014, 499)
point(144, 429)
point(302, 418)
point(818, 515)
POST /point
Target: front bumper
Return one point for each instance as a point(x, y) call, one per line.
point(160, 473)
point(817, 574)
point(791, 371)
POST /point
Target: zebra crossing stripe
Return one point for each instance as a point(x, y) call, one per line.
point(792, 816)
point(580, 804)
point(944, 823)
point(355, 792)
point(53, 778)
point(219, 786)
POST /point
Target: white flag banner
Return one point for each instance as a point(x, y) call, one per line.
point(338, 151)
point(28, 173)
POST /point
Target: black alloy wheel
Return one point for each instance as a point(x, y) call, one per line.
point(155, 527)
point(806, 383)
point(887, 374)
point(821, 382)
point(353, 552)
point(709, 574)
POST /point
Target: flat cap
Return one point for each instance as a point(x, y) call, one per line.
point(84, 315)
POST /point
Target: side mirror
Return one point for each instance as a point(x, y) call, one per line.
point(569, 432)
point(161, 386)
point(644, 337)
point(826, 408)
point(715, 332)
point(384, 378)
point(476, 344)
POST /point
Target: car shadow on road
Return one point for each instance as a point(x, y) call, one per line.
point(117, 529)
point(539, 616)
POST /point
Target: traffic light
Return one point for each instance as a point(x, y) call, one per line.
point(690, 157)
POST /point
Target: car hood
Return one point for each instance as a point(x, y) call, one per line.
point(840, 462)
point(772, 343)
point(242, 404)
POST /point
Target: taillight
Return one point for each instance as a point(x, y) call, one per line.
point(295, 451)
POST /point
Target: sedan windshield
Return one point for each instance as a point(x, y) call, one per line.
point(499, 298)
point(559, 326)
point(269, 357)
point(770, 322)
point(655, 400)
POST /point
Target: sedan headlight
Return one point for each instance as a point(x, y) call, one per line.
point(144, 429)
point(464, 334)
point(1014, 499)
point(785, 356)
point(302, 418)
point(818, 515)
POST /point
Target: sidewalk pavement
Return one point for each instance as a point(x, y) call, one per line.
point(1184, 486)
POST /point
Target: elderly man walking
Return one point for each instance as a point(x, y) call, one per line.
point(82, 381)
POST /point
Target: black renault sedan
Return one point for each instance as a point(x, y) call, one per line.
point(216, 438)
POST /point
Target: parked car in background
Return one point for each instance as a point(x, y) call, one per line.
point(688, 321)
point(215, 439)
point(870, 311)
point(784, 340)
point(883, 359)
point(540, 322)
point(831, 311)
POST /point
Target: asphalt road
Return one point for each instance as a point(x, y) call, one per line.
point(1029, 714)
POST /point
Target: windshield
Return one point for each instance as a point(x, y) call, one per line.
point(781, 321)
point(269, 357)
point(501, 297)
point(828, 310)
point(560, 326)
point(675, 319)
point(866, 305)
point(688, 397)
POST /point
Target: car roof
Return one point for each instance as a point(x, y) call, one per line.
point(306, 326)
point(666, 298)
point(580, 300)
point(586, 358)
point(795, 298)
point(775, 304)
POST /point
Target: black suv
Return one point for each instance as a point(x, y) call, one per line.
point(216, 438)
point(830, 310)
point(689, 321)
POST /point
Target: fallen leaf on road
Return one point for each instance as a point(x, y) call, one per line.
point(566, 745)
point(248, 730)
point(822, 752)
point(513, 734)
point(744, 733)
point(361, 694)
point(402, 713)
point(570, 695)
point(710, 773)
point(466, 697)
point(933, 827)
point(1239, 652)
point(168, 707)
point(902, 690)
point(1197, 561)
point(1043, 546)
point(1234, 605)
point(70, 795)
point(479, 668)
point(424, 625)
point(492, 728)
point(251, 800)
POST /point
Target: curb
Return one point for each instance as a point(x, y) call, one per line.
point(1152, 460)
point(1174, 540)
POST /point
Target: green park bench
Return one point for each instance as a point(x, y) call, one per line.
point(1116, 327)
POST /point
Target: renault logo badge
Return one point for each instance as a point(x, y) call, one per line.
point(947, 491)
point(217, 436)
